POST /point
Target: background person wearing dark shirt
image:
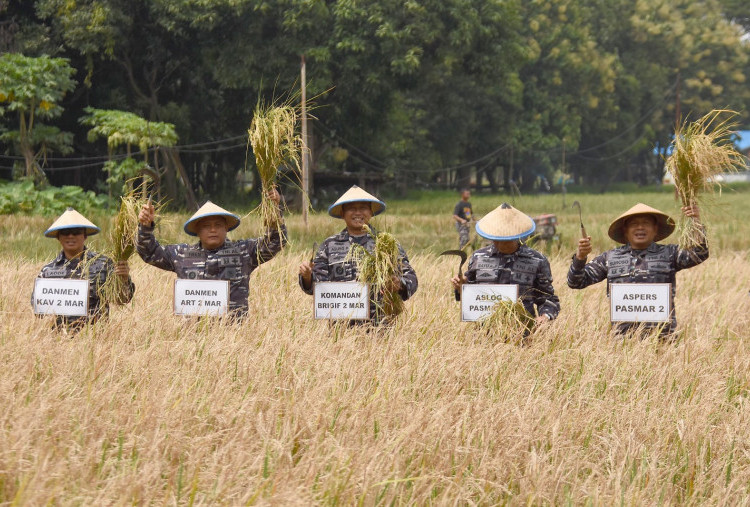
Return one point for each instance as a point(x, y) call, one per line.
point(462, 215)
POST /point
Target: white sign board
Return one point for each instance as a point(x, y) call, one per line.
point(639, 302)
point(478, 299)
point(201, 297)
point(341, 300)
point(61, 296)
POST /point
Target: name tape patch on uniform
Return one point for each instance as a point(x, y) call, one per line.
point(201, 297)
point(478, 300)
point(341, 300)
point(639, 302)
point(54, 296)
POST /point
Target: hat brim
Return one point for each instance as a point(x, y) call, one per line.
point(191, 226)
point(336, 210)
point(522, 235)
point(90, 231)
point(664, 222)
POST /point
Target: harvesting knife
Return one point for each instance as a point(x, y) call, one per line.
point(577, 204)
point(461, 254)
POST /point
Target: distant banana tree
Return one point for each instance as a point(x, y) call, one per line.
point(33, 88)
point(122, 128)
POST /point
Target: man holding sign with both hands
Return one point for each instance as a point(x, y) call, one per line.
point(213, 257)
point(506, 261)
point(641, 263)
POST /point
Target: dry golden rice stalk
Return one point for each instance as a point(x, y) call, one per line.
point(508, 319)
point(378, 269)
point(701, 150)
point(123, 236)
point(274, 140)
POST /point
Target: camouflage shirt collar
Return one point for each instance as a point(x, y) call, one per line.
point(61, 259)
point(523, 251)
point(345, 236)
point(653, 247)
point(226, 244)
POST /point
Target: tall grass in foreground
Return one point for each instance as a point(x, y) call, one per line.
point(149, 408)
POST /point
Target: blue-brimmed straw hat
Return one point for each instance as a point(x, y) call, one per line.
point(210, 210)
point(71, 219)
point(356, 194)
point(505, 223)
point(664, 223)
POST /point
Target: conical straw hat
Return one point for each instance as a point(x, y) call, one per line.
point(664, 222)
point(211, 210)
point(356, 194)
point(505, 223)
point(71, 219)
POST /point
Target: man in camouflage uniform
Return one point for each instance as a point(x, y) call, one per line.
point(640, 259)
point(462, 216)
point(213, 257)
point(76, 261)
point(507, 261)
point(332, 262)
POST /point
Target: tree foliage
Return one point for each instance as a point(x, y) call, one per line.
point(32, 89)
point(418, 91)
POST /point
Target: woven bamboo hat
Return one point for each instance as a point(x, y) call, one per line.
point(505, 223)
point(211, 210)
point(356, 194)
point(71, 219)
point(664, 222)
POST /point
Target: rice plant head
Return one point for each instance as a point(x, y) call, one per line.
point(509, 319)
point(274, 140)
point(377, 269)
point(700, 151)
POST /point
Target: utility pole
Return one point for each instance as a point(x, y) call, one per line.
point(305, 149)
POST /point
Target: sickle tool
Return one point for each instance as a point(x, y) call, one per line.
point(577, 204)
point(315, 251)
point(461, 254)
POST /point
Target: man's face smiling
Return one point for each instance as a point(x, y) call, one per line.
point(212, 232)
point(72, 241)
point(356, 215)
point(640, 231)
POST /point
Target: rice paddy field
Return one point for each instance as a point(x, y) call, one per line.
point(149, 408)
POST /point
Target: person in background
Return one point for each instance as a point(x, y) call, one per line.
point(462, 216)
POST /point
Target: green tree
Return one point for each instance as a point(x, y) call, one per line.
point(122, 128)
point(32, 89)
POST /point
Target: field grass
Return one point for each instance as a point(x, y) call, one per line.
point(150, 408)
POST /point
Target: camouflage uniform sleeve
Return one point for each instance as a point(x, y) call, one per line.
point(547, 303)
point(320, 269)
point(689, 257)
point(582, 275)
point(409, 281)
point(152, 252)
point(267, 246)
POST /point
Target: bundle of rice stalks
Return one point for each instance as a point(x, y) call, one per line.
point(122, 236)
point(272, 134)
point(700, 151)
point(508, 319)
point(378, 269)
